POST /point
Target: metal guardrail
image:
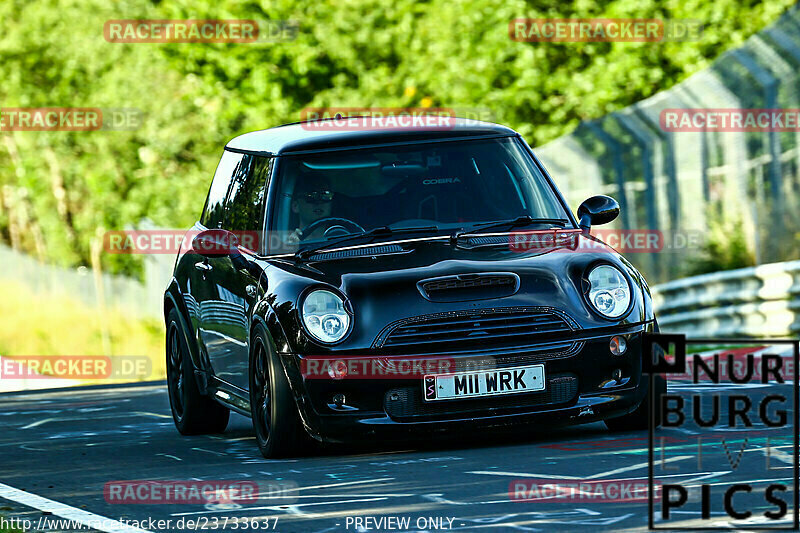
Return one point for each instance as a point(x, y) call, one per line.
point(761, 301)
point(136, 299)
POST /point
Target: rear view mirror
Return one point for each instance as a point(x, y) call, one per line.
point(403, 169)
point(597, 210)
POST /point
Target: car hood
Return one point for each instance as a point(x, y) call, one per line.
point(382, 288)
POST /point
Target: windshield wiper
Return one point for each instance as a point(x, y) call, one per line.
point(518, 222)
point(382, 231)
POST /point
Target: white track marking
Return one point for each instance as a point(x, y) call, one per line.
point(637, 467)
point(91, 520)
point(145, 413)
point(80, 419)
point(209, 451)
point(289, 509)
point(170, 456)
point(38, 423)
point(594, 476)
point(779, 455)
point(520, 474)
point(345, 483)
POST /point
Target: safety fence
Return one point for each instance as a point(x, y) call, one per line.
point(711, 181)
point(90, 285)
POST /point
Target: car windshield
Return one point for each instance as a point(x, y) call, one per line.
point(436, 187)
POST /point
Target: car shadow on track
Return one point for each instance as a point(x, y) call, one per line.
point(443, 442)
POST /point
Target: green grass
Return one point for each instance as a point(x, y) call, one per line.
point(37, 324)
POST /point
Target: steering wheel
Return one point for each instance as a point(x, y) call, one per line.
point(336, 224)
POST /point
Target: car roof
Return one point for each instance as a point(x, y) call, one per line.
point(351, 132)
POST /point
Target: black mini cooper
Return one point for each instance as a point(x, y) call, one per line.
point(348, 281)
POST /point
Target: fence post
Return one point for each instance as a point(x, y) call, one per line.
point(99, 288)
point(631, 125)
point(770, 86)
point(615, 150)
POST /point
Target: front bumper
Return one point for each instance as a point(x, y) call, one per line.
point(580, 389)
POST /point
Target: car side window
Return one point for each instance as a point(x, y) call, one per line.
point(244, 208)
point(213, 210)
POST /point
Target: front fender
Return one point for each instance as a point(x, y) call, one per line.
point(265, 315)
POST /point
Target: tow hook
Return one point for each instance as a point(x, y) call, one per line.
point(586, 411)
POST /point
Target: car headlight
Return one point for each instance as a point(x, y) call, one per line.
point(325, 317)
point(609, 292)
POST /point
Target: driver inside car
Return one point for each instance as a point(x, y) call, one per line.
point(311, 202)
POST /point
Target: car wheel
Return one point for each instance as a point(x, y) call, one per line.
point(638, 419)
point(193, 413)
point(279, 431)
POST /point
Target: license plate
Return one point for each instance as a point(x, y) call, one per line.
point(484, 383)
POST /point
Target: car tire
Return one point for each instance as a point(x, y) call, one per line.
point(193, 413)
point(279, 430)
point(639, 419)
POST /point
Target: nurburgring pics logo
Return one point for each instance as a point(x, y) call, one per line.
point(740, 404)
point(584, 30)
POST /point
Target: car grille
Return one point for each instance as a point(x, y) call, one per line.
point(406, 403)
point(490, 331)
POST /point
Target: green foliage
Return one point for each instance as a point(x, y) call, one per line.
point(725, 248)
point(60, 190)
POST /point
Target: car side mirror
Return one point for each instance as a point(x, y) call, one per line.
point(597, 210)
point(215, 243)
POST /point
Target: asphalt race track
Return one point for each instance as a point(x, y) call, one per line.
point(66, 445)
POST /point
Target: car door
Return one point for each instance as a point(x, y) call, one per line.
point(200, 289)
point(234, 278)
